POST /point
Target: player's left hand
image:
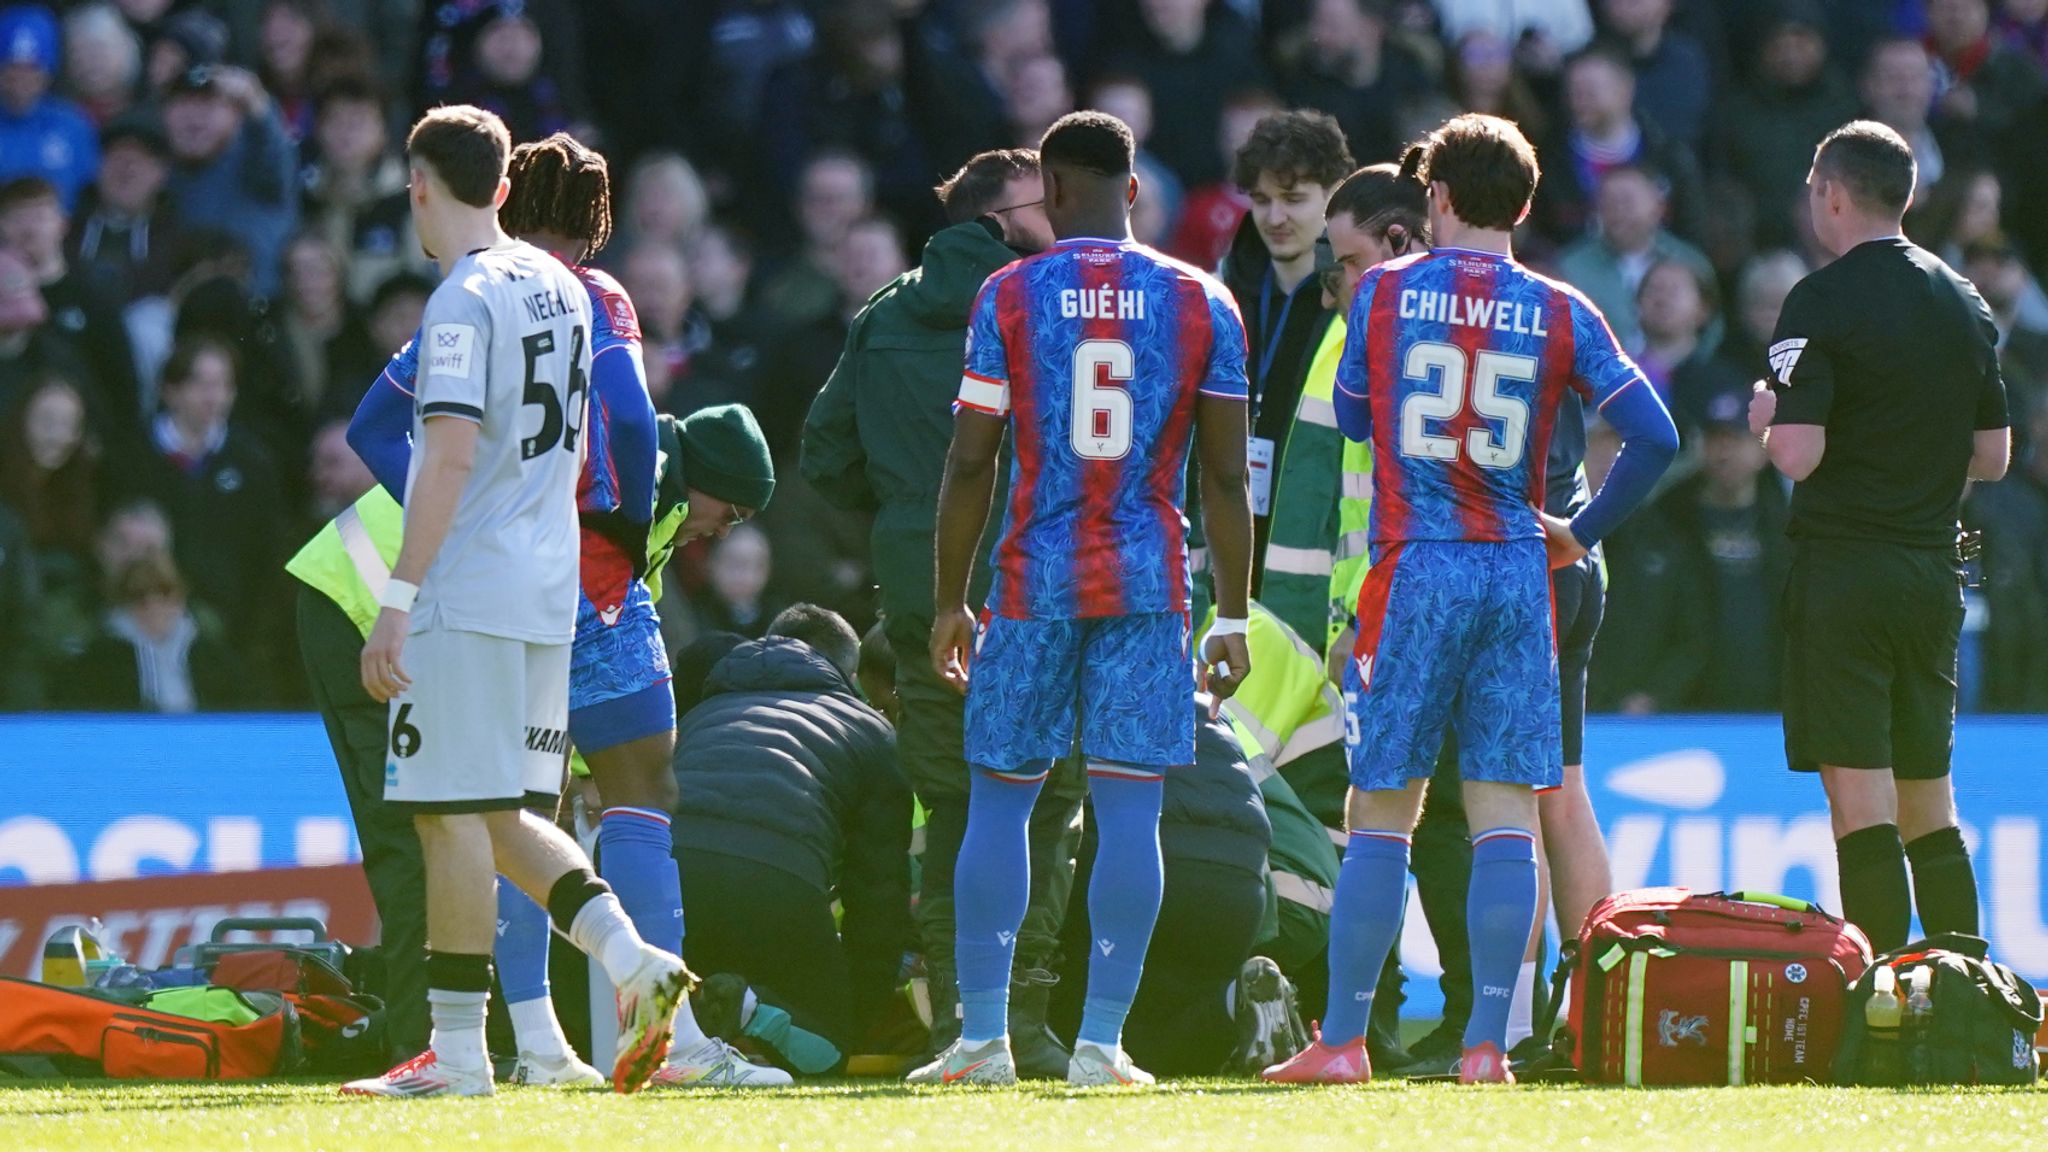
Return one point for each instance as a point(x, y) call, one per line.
point(1763, 408)
point(1561, 542)
point(383, 676)
point(1226, 661)
point(952, 646)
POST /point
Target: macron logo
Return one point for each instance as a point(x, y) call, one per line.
point(1004, 938)
point(1107, 945)
point(1784, 355)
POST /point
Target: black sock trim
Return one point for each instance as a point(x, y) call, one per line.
point(1942, 844)
point(459, 971)
point(1873, 845)
point(575, 889)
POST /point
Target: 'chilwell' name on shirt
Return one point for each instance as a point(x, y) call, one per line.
point(1472, 312)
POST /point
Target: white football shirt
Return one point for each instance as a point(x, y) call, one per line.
point(505, 342)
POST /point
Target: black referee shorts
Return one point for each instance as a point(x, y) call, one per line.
point(1578, 596)
point(1871, 631)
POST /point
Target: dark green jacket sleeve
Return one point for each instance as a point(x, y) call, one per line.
point(833, 460)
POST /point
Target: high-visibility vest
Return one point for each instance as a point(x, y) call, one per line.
point(350, 559)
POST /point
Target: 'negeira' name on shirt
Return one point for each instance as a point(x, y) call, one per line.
point(1104, 303)
point(545, 305)
point(1472, 312)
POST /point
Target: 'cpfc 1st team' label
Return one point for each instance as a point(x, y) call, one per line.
point(449, 348)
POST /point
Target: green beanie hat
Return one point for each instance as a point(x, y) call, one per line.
point(725, 456)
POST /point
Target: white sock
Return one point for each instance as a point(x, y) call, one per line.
point(458, 1039)
point(1108, 1054)
point(1522, 1009)
point(604, 933)
point(748, 1002)
point(537, 1030)
point(688, 1036)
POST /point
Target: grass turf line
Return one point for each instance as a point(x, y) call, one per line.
point(1186, 1116)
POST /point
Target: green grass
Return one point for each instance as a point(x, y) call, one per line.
point(1186, 1116)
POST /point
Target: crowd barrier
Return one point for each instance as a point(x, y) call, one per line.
point(205, 817)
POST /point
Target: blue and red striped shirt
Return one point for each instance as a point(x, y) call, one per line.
point(1095, 351)
point(1455, 367)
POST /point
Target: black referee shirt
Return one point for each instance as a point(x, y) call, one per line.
point(1896, 356)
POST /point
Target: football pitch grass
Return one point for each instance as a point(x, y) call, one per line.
point(1186, 1116)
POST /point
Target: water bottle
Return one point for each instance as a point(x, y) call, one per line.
point(1881, 1015)
point(1919, 1019)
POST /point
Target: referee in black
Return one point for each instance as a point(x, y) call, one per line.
point(1885, 402)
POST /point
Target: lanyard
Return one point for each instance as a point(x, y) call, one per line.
point(1270, 333)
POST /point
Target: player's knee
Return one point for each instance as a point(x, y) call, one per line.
point(639, 774)
point(1859, 798)
point(1395, 810)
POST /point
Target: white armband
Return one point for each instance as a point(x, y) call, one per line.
point(398, 595)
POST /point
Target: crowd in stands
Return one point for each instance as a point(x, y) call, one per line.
point(206, 258)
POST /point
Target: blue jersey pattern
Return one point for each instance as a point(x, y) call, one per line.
point(1095, 351)
point(1456, 366)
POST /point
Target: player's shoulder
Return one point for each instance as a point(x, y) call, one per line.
point(1565, 288)
point(612, 315)
point(1213, 289)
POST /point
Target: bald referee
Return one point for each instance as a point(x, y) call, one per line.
point(1885, 401)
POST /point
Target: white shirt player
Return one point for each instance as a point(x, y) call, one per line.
point(506, 343)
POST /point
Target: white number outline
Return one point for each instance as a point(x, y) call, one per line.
point(1091, 398)
point(1445, 366)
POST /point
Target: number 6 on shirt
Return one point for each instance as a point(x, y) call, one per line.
point(1101, 427)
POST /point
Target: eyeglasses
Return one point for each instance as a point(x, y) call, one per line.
point(1017, 207)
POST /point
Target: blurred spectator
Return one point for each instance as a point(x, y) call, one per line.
point(856, 94)
point(32, 223)
point(302, 54)
point(1767, 127)
point(1125, 97)
point(749, 41)
point(520, 58)
point(1350, 70)
point(1898, 90)
point(220, 491)
point(354, 191)
point(1543, 31)
point(2013, 515)
point(1759, 296)
point(795, 365)
point(29, 347)
point(234, 164)
point(1602, 132)
point(734, 596)
point(1480, 76)
point(177, 44)
point(1729, 239)
point(151, 654)
point(1193, 55)
point(1038, 95)
point(323, 333)
point(102, 62)
point(1963, 209)
point(1984, 81)
point(20, 612)
point(391, 320)
point(996, 64)
point(339, 476)
point(2024, 25)
point(1210, 215)
point(1676, 305)
point(665, 202)
point(41, 134)
point(672, 331)
point(1674, 79)
point(49, 475)
point(124, 231)
point(2020, 309)
point(836, 190)
point(1629, 236)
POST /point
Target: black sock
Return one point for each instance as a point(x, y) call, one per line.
point(1944, 884)
point(1872, 862)
point(575, 889)
point(459, 971)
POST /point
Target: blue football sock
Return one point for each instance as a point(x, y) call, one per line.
point(1365, 919)
point(1123, 894)
point(636, 856)
point(522, 949)
point(991, 887)
point(1498, 916)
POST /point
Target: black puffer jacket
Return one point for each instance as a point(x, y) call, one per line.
point(782, 764)
point(1212, 809)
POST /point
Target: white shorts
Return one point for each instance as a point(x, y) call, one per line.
point(484, 726)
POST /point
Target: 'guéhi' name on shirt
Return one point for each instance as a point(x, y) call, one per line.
point(1472, 312)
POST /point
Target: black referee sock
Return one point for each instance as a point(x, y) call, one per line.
point(1944, 884)
point(1872, 862)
